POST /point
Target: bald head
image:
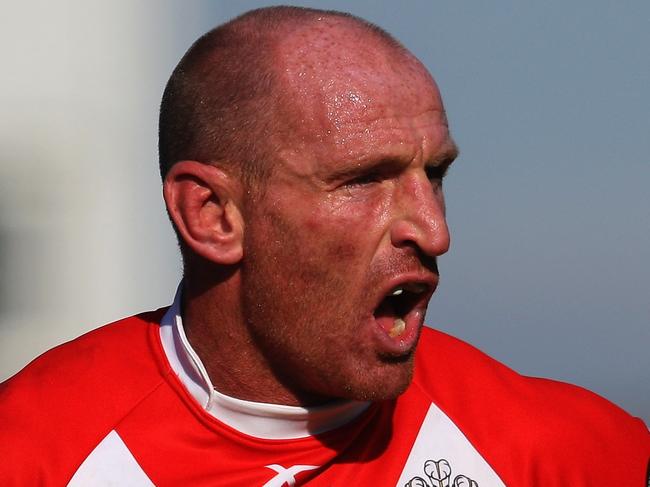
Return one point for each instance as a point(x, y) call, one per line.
point(303, 152)
point(228, 101)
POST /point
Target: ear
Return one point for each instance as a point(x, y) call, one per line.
point(203, 202)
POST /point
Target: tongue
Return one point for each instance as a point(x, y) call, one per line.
point(386, 314)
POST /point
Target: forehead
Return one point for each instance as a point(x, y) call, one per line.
point(331, 71)
point(350, 93)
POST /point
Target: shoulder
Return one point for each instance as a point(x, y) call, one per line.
point(454, 372)
point(501, 411)
point(71, 396)
point(83, 364)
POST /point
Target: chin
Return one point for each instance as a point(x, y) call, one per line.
point(390, 382)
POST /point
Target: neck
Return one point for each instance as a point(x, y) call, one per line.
point(216, 328)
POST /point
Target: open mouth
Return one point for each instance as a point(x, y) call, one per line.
point(396, 308)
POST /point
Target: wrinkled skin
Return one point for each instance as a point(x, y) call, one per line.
point(354, 201)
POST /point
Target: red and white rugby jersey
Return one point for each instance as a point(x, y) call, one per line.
point(130, 404)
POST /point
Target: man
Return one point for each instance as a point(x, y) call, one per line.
point(302, 154)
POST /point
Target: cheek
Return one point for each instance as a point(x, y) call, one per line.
point(344, 252)
point(337, 242)
point(342, 247)
point(347, 230)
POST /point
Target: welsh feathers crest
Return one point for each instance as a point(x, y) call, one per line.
point(438, 474)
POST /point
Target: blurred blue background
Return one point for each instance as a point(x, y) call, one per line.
point(549, 203)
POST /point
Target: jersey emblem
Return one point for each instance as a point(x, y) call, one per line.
point(438, 446)
point(439, 475)
point(286, 476)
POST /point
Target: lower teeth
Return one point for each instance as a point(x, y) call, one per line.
point(398, 328)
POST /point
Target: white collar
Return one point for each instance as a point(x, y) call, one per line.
point(262, 420)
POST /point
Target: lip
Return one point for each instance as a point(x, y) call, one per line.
point(405, 343)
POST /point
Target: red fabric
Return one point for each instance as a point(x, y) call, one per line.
point(57, 409)
point(530, 431)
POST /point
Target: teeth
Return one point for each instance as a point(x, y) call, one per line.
point(414, 288)
point(399, 325)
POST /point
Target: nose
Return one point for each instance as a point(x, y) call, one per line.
point(420, 220)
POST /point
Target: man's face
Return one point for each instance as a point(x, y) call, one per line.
point(340, 247)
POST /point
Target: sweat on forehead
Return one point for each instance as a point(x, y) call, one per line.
point(332, 70)
point(233, 91)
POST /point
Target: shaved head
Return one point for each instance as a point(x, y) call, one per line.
point(303, 153)
point(226, 103)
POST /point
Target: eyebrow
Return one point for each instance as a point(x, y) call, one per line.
point(384, 164)
point(444, 158)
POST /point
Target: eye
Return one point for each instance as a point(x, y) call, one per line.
point(435, 173)
point(364, 179)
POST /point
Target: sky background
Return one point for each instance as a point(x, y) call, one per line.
point(549, 203)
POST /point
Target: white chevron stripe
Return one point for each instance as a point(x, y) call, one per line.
point(110, 464)
point(440, 439)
